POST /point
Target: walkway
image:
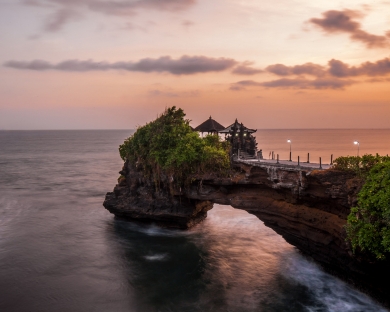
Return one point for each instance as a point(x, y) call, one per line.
point(284, 163)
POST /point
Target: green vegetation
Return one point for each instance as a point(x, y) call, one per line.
point(361, 166)
point(368, 224)
point(168, 147)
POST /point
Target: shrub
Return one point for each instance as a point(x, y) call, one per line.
point(359, 165)
point(368, 225)
point(168, 146)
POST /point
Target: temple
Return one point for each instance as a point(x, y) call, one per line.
point(241, 138)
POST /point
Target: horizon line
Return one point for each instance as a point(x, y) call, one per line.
point(131, 129)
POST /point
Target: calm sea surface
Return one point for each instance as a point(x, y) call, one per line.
point(60, 250)
point(323, 143)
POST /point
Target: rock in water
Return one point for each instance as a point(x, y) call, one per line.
point(309, 208)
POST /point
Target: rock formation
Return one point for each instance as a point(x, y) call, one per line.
point(138, 198)
point(307, 207)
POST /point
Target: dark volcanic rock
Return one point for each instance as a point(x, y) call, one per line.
point(308, 208)
point(138, 199)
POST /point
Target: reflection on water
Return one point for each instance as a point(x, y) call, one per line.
point(164, 269)
point(231, 262)
point(60, 250)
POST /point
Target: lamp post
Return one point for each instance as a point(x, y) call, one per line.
point(358, 144)
point(289, 141)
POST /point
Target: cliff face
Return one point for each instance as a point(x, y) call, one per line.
point(308, 208)
point(137, 198)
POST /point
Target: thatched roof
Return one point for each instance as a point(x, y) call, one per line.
point(210, 125)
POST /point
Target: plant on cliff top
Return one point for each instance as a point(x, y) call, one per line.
point(360, 165)
point(368, 225)
point(168, 146)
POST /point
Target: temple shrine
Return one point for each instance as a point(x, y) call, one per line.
point(243, 143)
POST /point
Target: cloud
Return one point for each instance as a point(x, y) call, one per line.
point(248, 83)
point(308, 68)
point(319, 83)
point(236, 87)
point(59, 19)
point(332, 76)
point(336, 21)
point(66, 10)
point(186, 65)
point(128, 7)
point(246, 69)
point(373, 80)
point(241, 85)
point(343, 22)
point(379, 68)
point(116, 7)
point(297, 83)
point(335, 68)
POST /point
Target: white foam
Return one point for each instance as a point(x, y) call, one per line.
point(335, 294)
point(157, 257)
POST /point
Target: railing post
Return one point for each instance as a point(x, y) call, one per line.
point(290, 157)
point(308, 158)
point(320, 163)
point(272, 155)
point(331, 159)
point(298, 162)
point(277, 158)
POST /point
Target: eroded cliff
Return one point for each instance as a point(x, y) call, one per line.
point(307, 207)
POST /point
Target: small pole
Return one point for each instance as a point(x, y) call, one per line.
point(331, 159)
point(272, 155)
point(298, 162)
point(308, 158)
point(290, 156)
point(277, 158)
point(320, 163)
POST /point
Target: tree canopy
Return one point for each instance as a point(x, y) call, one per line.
point(168, 146)
point(368, 225)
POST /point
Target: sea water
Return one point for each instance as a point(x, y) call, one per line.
point(60, 250)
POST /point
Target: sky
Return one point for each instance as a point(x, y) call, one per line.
point(117, 64)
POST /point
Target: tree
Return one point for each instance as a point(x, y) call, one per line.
point(168, 146)
point(368, 225)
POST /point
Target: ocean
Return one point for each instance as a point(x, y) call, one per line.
point(323, 143)
point(60, 250)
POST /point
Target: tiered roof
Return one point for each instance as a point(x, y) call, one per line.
point(228, 129)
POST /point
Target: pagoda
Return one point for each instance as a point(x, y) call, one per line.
point(242, 141)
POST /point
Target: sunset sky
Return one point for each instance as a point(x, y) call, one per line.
point(116, 64)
